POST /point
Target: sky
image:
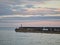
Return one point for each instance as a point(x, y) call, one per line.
point(13, 13)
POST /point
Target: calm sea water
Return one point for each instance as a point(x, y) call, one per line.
point(8, 36)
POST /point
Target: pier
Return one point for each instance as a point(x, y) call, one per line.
point(38, 29)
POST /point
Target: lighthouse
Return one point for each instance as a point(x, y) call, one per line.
point(21, 25)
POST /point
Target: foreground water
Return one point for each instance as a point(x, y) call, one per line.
point(9, 37)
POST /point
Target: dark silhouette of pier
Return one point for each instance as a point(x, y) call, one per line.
point(38, 29)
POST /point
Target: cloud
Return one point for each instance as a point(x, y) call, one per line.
point(5, 9)
point(29, 7)
point(12, 16)
point(30, 17)
point(37, 11)
point(39, 0)
point(29, 12)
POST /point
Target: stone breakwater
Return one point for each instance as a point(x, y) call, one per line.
point(39, 29)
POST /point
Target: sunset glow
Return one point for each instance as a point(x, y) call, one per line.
point(31, 12)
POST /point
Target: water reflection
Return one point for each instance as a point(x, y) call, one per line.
point(10, 37)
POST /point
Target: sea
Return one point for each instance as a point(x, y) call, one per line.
point(8, 36)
